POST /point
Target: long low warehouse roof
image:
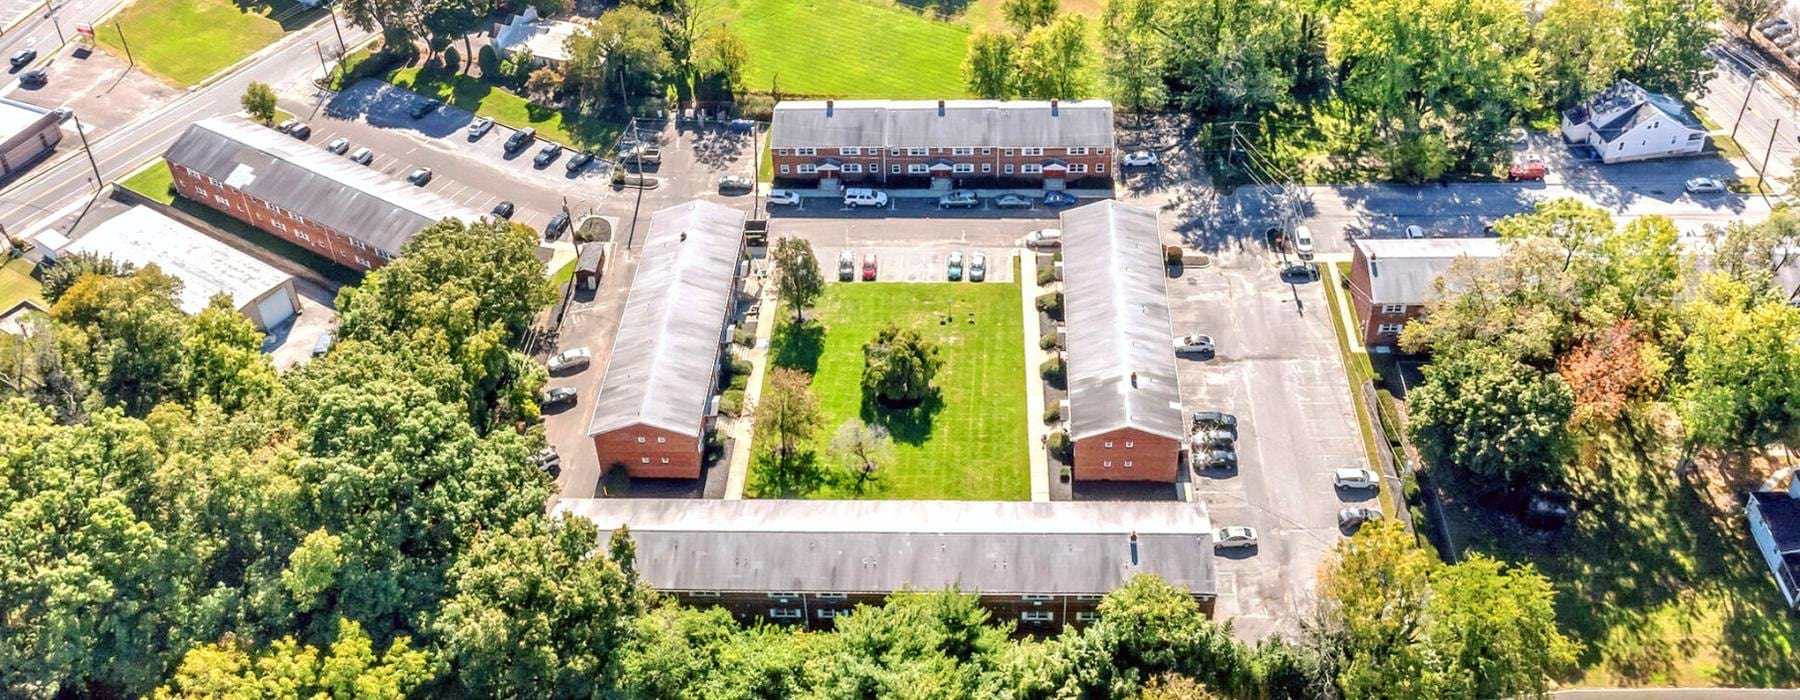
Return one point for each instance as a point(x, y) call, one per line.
point(660, 370)
point(995, 547)
point(1115, 299)
point(311, 182)
point(941, 124)
point(206, 267)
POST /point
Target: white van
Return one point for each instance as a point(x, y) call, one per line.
point(864, 197)
point(1303, 243)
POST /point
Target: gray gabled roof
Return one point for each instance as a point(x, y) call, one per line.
point(660, 370)
point(1406, 270)
point(924, 124)
point(308, 180)
point(994, 547)
point(1121, 362)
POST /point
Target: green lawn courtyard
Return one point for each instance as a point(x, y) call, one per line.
point(848, 48)
point(184, 41)
point(967, 443)
point(153, 181)
point(485, 99)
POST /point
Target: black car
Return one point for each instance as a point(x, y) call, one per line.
point(427, 107)
point(24, 57)
point(1219, 458)
point(503, 210)
point(557, 225)
point(34, 78)
point(579, 160)
point(1215, 419)
point(548, 155)
point(301, 131)
point(520, 139)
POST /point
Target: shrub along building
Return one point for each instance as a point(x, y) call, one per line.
point(301, 193)
point(1392, 279)
point(656, 399)
point(1039, 564)
point(942, 143)
point(1124, 395)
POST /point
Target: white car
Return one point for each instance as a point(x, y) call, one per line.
point(1414, 231)
point(1303, 242)
point(1354, 478)
point(570, 359)
point(735, 183)
point(1138, 159)
point(1195, 343)
point(480, 127)
point(362, 156)
point(864, 197)
point(784, 197)
point(1044, 238)
point(1705, 185)
point(1235, 537)
point(339, 145)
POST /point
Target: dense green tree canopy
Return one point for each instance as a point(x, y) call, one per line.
point(1491, 415)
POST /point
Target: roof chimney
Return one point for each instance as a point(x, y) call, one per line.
point(684, 236)
point(940, 108)
point(828, 108)
point(1052, 106)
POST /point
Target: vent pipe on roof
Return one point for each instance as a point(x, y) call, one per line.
point(683, 236)
point(940, 108)
point(1134, 380)
point(1134, 549)
point(1052, 106)
point(828, 108)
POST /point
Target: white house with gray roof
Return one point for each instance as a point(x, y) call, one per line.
point(1627, 122)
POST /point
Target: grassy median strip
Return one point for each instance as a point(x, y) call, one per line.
point(968, 442)
point(185, 41)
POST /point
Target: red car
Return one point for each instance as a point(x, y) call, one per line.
point(869, 267)
point(1530, 170)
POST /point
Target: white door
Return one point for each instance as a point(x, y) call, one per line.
point(276, 308)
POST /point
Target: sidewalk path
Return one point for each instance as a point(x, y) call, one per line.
point(1036, 432)
point(742, 427)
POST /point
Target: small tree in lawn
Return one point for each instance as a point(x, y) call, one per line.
point(797, 278)
point(788, 409)
point(898, 365)
point(259, 101)
point(862, 448)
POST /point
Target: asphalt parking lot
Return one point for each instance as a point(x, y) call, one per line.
point(104, 91)
point(477, 174)
point(1277, 369)
point(916, 263)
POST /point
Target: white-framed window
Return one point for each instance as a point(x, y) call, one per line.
point(832, 596)
point(1089, 597)
point(893, 151)
point(278, 225)
point(964, 168)
point(1390, 328)
point(850, 151)
point(213, 182)
point(1130, 444)
point(1009, 168)
point(1393, 308)
point(918, 169)
point(704, 594)
point(781, 151)
point(987, 151)
point(918, 151)
point(853, 167)
point(987, 167)
point(1031, 151)
point(1086, 616)
point(1100, 151)
point(222, 200)
point(962, 151)
point(665, 460)
point(1099, 167)
point(806, 151)
point(661, 440)
point(786, 613)
point(385, 255)
point(1078, 167)
point(1109, 444)
point(359, 244)
point(1078, 151)
point(363, 261)
point(896, 169)
point(808, 169)
point(783, 595)
point(1035, 598)
point(643, 460)
point(784, 169)
point(1031, 168)
point(826, 613)
point(640, 439)
point(1107, 464)
point(302, 236)
point(1037, 616)
point(1127, 463)
point(1008, 153)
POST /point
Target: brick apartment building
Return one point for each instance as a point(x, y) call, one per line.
point(1124, 392)
point(656, 397)
point(942, 143)
point(301, 193)
point(1042, 565)
point(1392, 279)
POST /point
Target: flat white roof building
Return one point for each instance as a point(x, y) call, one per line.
point(547, 39)
point(206, 267)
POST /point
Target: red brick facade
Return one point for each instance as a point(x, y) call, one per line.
point(1127, 454)
point(917, 166)
point(1380, 324)
point(286, 225)
point(1034, 614)
point(649, 452)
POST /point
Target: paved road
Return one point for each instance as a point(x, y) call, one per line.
point(1771, 98)
point(68, 178)
point(44, 25)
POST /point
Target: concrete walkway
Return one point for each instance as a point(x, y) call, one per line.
point(743, 427)
point(1345, 313)
point(1036, 432)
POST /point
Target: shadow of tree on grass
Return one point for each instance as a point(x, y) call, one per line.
point(797, 346)
point(909, 425)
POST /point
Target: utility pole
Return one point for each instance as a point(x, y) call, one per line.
point(1760, 177)
point(125, 44)
point(98, 180)
point(343, 49)
point(50, 11)
point(755, 173)
point(1746, 105)
point(322, 66)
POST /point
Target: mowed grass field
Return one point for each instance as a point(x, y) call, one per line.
point(967, 444)
point(184, 41)
point(848, 48)
point(487, 100)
